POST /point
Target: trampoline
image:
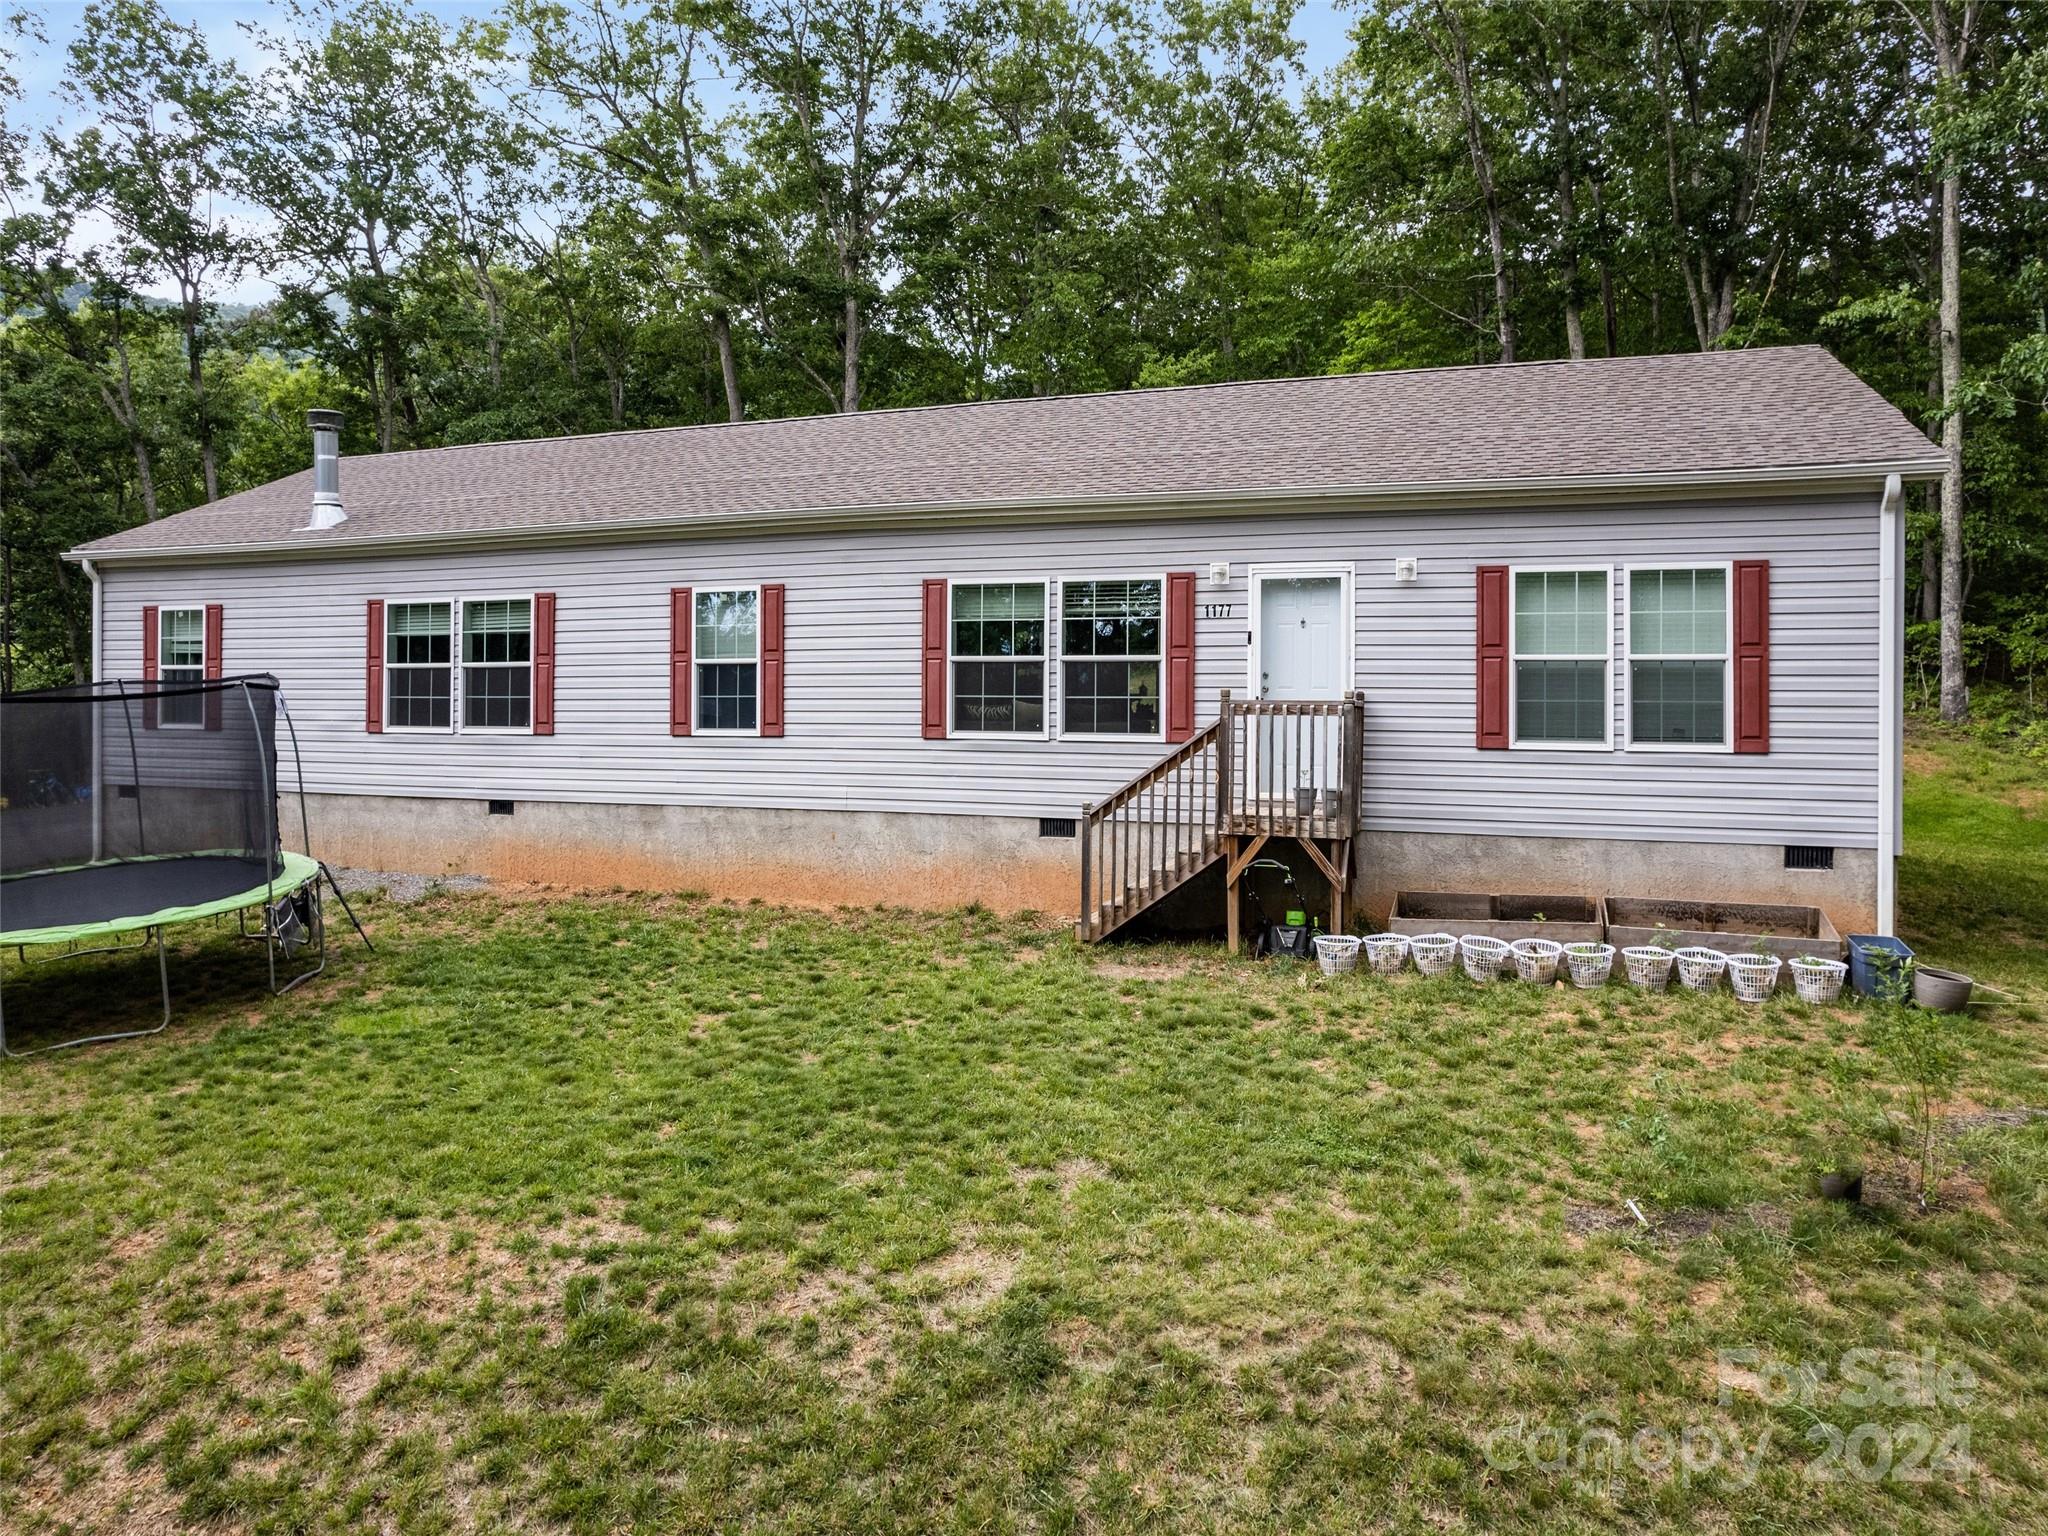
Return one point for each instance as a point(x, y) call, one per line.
point(129, 807)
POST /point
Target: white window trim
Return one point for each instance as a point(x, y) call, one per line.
point(454, 667)
point(1050, 658)
point(697, 728)
point(1056, 643)
point(459, 693)
point(1727, 658)
point(163, 613)
point(1515, 742)
point(1256, 577)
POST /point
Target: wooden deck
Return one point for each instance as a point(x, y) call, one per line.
point(1264, 769)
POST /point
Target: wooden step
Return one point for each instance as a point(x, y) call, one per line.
point(1158, 885)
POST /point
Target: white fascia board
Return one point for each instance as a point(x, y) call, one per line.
point(1548, 490)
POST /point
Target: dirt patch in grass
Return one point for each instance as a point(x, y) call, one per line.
point(1680, 1225)
point(1992, 1119)
point(963, 1284)
point(110, 1497)
point(1149, 970)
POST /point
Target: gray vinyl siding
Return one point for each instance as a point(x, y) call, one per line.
point(853, 740)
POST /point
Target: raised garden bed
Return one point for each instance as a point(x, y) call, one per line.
point(1566, 919)
point(1733, 927)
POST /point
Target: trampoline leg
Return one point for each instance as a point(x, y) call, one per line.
point(351, 911)
point(319, 927)
point(163, 973)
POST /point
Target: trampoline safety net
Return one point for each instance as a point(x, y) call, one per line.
point(122, 798)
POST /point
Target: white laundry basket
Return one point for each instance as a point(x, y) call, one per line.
point(1537, 959)
point(1588, 965)
point(1386, 953)
point(1336, 953)
point(1435, 953)
point(1483, 956)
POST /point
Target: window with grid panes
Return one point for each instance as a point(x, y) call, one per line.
point(1561, 627)
point(1110, 639)
point(998, 657)
point(497, 664)
point(1678, 656)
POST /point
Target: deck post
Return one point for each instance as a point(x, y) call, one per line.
point(1225, 751)
point(1230, 877)
point(1354, 761)
point(1087, 905)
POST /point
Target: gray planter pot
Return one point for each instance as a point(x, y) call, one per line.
point(1942, 991)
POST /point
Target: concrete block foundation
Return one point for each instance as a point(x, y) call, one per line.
point(861, 858)
point(1386, 862)
point(804, 858)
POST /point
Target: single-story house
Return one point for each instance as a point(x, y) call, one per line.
point(1625, 625)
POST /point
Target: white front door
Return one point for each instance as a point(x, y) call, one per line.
point(1302, 652)
point(1301, 637)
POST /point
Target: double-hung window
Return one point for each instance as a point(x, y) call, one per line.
point(1678, 636)
point(418, 666)
point(181, 658)
point(1110, 640)
point(727, 642)
point(998, 657)
point(497, 664)
point(1563, 637)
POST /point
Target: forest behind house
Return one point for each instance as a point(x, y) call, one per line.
point(585, 215)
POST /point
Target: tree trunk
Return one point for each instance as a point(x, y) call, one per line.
point(1574, 322)
point(145, 476)
point(202, 413)
point(1955, 691)
point(1610, 319)
point(1456, 54)
point(849, 397)
point(728, 366)
point(1930, 577)
point(123, 407)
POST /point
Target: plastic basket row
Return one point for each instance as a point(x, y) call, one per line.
point(1753, 978)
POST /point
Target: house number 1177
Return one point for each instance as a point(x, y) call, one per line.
point(1218, 610)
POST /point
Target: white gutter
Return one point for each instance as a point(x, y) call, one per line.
point(1891, 745)
point(1381, 496)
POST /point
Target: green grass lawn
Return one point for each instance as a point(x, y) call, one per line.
point(662, 1214)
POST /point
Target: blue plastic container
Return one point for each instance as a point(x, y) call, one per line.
point(1866, 973)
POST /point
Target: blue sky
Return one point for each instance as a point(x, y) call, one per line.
point(1320, 25)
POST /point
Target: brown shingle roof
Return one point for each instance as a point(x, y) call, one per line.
point(1637, 419)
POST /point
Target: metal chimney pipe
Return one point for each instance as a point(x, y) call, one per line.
point(327, 511)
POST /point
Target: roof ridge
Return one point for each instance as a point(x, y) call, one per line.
point(1106, 394)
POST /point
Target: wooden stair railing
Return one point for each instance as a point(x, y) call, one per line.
point(1156, 833)
point(1265, 768)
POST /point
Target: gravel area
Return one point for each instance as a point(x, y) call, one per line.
point(403, 887)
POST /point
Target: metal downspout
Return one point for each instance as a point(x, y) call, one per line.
point(1891, 666)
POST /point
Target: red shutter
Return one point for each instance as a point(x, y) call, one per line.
point(934, 659)
point(679, 661)
point(1493, 657)
point(149, 640)
point(373, 668)
point(213, 616)
point(771, 658)
point(543, 663)
point(1180, 655)
point(1752, 655)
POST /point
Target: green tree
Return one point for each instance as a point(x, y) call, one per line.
point(153, 164)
